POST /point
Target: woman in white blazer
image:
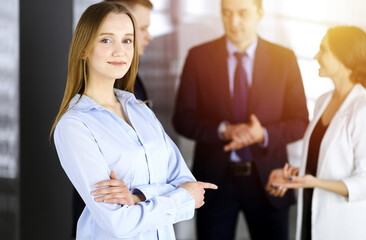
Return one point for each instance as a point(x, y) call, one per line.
point(332, 174)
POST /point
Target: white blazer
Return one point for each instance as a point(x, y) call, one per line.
point(342, 156)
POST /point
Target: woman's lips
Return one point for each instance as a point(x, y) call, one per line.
point(117, 63)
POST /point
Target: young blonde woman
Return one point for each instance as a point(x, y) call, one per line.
point(102, 132)
point(332, 175)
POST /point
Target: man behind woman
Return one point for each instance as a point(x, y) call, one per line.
point(332, 175)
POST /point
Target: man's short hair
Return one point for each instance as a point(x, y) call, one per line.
point(258, 3)
point(131, 3)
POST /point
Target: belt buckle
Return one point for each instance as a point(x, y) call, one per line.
point(243, 169)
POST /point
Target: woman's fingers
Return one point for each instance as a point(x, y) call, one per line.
point(110, 190)
point(289, 170)
point(295, 171)
point(112, 196)
point(207, 185)
point(110, 182)
point(113, 191)
point(275, 191)
point(275, 175)
point(116, 198)
point(113, 175)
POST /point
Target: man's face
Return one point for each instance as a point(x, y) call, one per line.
point(142, 15)
point(240, 19)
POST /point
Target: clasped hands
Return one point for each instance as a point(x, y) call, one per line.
point(243, 134)
point(116, 191)
point(285, 178)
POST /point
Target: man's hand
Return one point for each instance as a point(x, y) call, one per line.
point(197, 191)
point(244, 134)
point(115, 191)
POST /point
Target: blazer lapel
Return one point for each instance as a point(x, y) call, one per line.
point(333, 128)
point(219, 73)
point(260, 73)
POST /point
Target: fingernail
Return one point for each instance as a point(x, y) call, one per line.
point(290, 179)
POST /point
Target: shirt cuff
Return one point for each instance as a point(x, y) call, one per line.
point(220, 129)
point(355, 186)
point(185, 204)
point(152, 190)
point(265, 142)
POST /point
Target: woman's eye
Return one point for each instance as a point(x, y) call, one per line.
point(128, 41)
point(105, 41)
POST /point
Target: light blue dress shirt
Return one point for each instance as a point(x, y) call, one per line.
point(91, 141)
point(248, 62)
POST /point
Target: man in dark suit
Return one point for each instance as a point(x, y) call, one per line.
point(141, 10)
point(242, 100)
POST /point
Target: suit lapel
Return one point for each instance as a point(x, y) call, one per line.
point(219, 73)
point(260, 74)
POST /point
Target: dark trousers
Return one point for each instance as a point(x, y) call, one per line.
point(217, 219)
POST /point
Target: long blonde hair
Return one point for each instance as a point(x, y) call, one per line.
point(82, 42)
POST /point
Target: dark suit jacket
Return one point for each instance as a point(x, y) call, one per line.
point(139, 89)
point(276, 97)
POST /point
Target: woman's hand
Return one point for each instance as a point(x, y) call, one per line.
point(276, 176)
point(278, 179)
point(306, 181)
point(197, 191)
point(115, 191)
point(282, 179)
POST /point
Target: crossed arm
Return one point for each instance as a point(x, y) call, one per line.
point(116, 191)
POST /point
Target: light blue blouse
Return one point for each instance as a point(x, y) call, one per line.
point(91, 141)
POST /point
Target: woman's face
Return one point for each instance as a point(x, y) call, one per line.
point(330, 66)
point(111, 54)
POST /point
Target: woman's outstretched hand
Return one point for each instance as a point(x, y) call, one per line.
point(197, 191)
point(279, 179)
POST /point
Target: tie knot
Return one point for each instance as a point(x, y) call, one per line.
point(240, 55)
